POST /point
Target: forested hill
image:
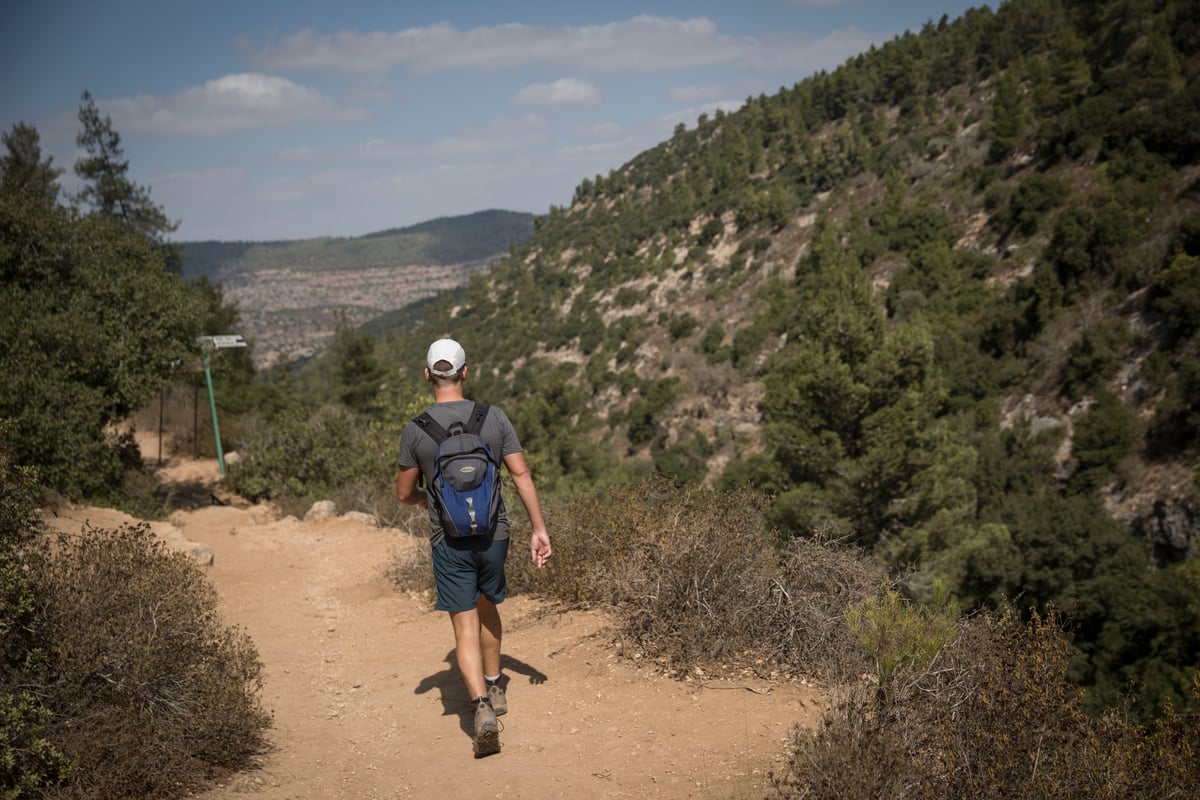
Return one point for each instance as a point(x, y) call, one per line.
point(942, 301)
point(444, 241)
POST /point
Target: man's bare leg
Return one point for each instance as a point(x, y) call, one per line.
point(471, 639)
point(491, 630)
point(468, 651)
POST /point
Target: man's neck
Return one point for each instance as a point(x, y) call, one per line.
point(448, 394)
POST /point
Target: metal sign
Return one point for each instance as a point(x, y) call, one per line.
point(218, 342)
point(208, 344)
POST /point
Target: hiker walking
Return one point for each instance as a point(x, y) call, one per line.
point(457, 446)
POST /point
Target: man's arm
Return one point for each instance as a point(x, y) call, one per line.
point(407, 491)
point(539, 542)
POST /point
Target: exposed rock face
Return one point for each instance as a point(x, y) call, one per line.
point(1170, 526)
point(1161, 508)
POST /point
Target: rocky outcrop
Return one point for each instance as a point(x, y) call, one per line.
point(1170, 528)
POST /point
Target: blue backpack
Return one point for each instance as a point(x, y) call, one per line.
point(465, 490)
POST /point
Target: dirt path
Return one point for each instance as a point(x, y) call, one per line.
point(367, 703)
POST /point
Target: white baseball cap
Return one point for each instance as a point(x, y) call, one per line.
point(449, 351)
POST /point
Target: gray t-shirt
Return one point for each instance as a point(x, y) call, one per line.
point(417, 449)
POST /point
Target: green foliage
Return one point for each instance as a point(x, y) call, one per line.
point(645, 411)
point(712, 344)
point(902, 638)
point(685, 461)
point(1008, 117)
point(1034, 198)
point(30, 763)
point(682, 326)
point(29, 758)
point(106, 185)
point(93, 320)
point(1103, 436)
point(1175, 427)
point(302, 457)
point(357, 370)
point(1095, 358)
point(1177, 293)
point(19, 497)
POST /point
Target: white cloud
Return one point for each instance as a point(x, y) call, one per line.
point(500, 134)
point(206, 182)
point(624, 146)
point(601, 130)
point(564, 92)
point(697, 94)
point(497, 135)
point(242, 102)
point(639, 44)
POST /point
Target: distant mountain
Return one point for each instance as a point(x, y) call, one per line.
point(440, 242)
point(289, 294)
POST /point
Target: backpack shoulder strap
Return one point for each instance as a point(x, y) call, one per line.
point(432, 429)
point(478, 415)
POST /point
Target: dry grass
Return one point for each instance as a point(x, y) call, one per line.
point(989, 715)
point(697, 580)
point(150, 692)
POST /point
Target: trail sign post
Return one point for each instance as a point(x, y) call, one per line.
point(207, 345)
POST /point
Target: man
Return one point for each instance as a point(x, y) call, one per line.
point(469, 571)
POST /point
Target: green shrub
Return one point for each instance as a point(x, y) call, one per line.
point(686, 461)
point(1034, 198)
point(1103, 436)
point(1177, 293)
point(330, 454)
point(681, 326)
point(1095, 358)
point(710, 344)
point(29, 757)
point(903, 638)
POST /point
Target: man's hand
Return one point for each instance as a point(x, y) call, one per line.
point(539, 548)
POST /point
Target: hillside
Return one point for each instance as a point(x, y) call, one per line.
point(939, 301)
point(289, 293)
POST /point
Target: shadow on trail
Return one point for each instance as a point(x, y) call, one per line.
point(453, 691)
point(192, 495)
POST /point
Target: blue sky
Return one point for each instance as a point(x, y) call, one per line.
point(287, 120)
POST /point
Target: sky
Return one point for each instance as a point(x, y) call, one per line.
point(293, 119)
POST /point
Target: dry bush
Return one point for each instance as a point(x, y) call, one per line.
point(411, 566)
point(821, 579)
point(697, 579)
point(150, 692)
point(992, 716)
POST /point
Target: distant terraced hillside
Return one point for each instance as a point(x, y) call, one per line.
point(290, 292)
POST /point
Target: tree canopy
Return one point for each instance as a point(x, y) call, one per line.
point(93, 314)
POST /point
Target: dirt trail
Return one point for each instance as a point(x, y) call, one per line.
point(367, 703)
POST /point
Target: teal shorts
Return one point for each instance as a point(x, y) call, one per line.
point(466, 568)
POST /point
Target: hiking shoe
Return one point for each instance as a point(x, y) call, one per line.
point(497, 699)
point(487, 730)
